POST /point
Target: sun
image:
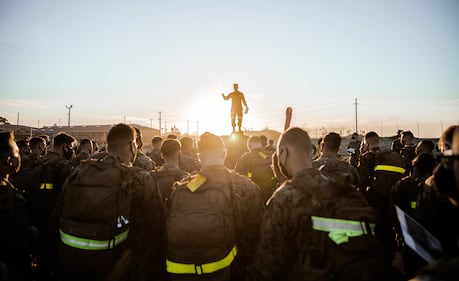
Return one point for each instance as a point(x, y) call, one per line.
point(211, 114)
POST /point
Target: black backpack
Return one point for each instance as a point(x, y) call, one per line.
point(95, 218)
point(339, 241)
point(200, 225)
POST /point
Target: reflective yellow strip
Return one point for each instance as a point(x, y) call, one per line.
point(249, 174)
point(339, 230)
point(89, 244)
point(413, 204)
point(199, 269)
point(46, 186)
point(390, 168)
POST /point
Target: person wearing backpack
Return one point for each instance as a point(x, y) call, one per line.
point(256, 165)
point(16, 231)
point(314, 228)
point(379, 170)
point(213, 220)
point(330, 163)
point(170, 172)
point(109, 222)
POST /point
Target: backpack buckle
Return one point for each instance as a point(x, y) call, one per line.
point(198, 269)
point(367, 229)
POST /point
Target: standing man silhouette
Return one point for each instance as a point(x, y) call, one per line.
point(237, 99)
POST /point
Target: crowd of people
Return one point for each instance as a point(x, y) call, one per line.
point(209, 210)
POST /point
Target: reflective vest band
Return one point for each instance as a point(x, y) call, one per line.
point(199, 269)
point(249, 174)
point(413, 204)
point(46, 186)
point(390, 168)
point(340, 230)
point(89, 244)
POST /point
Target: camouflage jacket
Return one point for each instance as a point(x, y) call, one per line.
point(278, 252)
point(143, 161)
point(337, 169)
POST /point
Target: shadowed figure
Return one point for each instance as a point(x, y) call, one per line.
point(237, 99)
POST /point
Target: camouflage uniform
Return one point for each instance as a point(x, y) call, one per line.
point(256, 165)
point(80, 157)
point(166, 177)
point(155, 155)
point(366, 168)
point(338, 169)
point(143, 161)
point(16, 234)
point(278, 252)
point(189, 162)
point(247, 213)
point(145, 251)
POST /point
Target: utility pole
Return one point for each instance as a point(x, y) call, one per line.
point(159, 112)
point(151, 122)
point(188, 127)
point(417, 126)
point(197, 128)
point(69, 108)
point(165, 127)
point(17, 122)
point(356, 128)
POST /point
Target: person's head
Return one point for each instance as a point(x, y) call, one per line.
point(294, 151)
point(331, 143)
point(38, 145)
point(446, 138)
point(355, 136)
point(10, 159)
point(211, 149)
point(370, 141)
point(95, 146)
point(186, 144)
point(170, 151)
point(235, 86)
point(407, 138)
point(424, 146)
point(47, 139)
point(271, 142)
point(424, 164)
point(121, 142)
point(253, 142)
point(156, 141)
point(263, 140)
point(86, 146)
point(24, 148)
point(64, 145)
point(171, 137)
point(139, 138)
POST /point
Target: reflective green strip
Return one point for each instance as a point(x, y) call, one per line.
point(46, 186)
point(199, 269)
point(88, 244)
point(249, 174)
point(390, 168)
point(340, 230)
point(413, 204)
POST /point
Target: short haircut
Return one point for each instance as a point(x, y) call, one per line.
point(372, 138)
point(427, 145)
point(263, 140)
point(332, 141)
point(209, 142)
point(170, 148)
point(120, 135)
point(85, 142)
point(298, 139)
point(253, 141)
point(5, 144)
point(446, 138)
point(186, 142)
point(171, 136)
point(408, 134)
point(63, 138)
point(156, 139)
point(36, 141)
point(425, 163)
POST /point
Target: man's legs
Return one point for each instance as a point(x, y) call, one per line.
point(239, 121)
point(233, 120)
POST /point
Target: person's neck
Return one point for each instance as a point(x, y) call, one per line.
point(4, 179)
point(171, 162)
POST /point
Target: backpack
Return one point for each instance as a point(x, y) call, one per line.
point(166, 179)
point(339, 242)
point(95, 218)
point(200, 225)
point(336, 169)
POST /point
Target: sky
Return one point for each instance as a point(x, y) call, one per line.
point(134, 61)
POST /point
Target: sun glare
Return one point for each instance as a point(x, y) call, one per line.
point(213, 115)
